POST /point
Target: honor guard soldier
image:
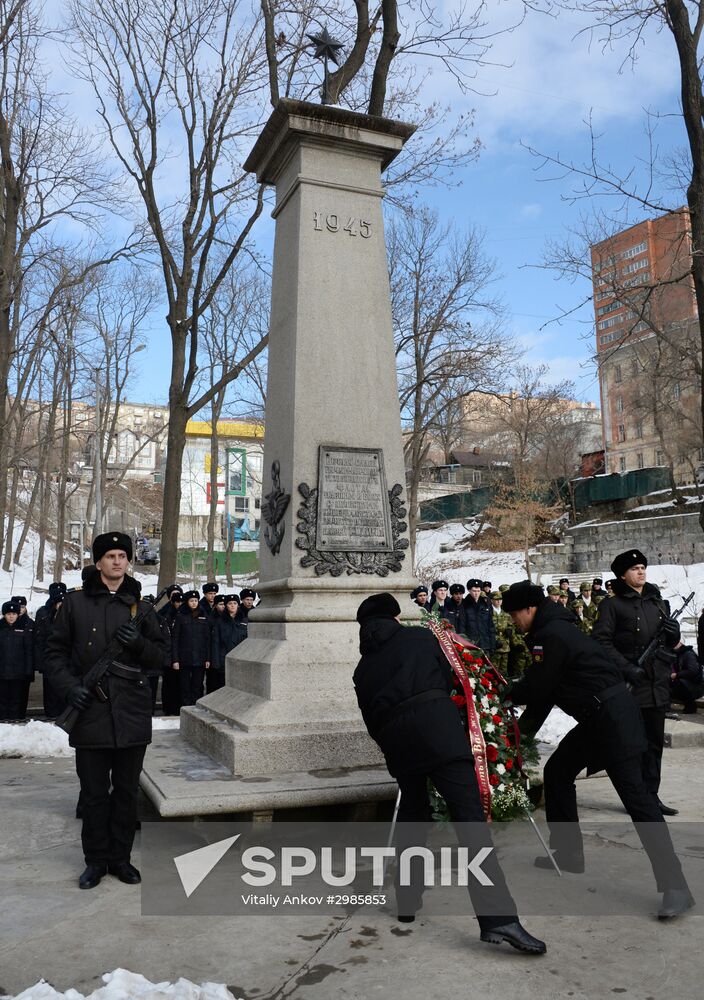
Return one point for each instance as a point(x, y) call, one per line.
point(115, 721)
point(625, 626)
point(479, 618)
point(419, 595)
point(43, 627)
point(574, 672)
point(16, 664)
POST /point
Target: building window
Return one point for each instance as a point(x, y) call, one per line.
point(241, 505)
point(620, 433)
point(622, 464)
point(617, 373)
point(635, 266)
point(659, 458)
point(619, 404)
point(633, 251)
point(604, 324)
point(639, 459)
point(639, 428)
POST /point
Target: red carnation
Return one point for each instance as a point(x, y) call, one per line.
point(509, 764)
point(459, 699)
point(485, 682)
point(497, 719)
point(492, 753)
point(494, 779)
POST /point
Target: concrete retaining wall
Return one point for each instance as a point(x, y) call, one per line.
point(676, 538)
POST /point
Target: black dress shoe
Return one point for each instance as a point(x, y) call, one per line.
point(92, 875)
point(675, 902)
point(406, 918)
point(515, 935)
point(575, 865)
point(667, 810)
point(126, 872)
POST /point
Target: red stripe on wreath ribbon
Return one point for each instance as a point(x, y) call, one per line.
point(476, 737)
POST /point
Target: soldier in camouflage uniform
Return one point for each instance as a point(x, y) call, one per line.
point(585, 597)
point(503, 624)
point(503, 587)
point(553, 593)
point(584, 623)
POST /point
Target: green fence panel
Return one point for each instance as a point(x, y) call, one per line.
point(455, 505)
point(191, 562)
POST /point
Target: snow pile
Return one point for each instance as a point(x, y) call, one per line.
point(124, 985)
point(44, 739)
point(35, 739)
point(459, 565)
point(555, 727)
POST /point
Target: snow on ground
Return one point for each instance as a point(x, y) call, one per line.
point(460, 564)
point(124, 985)
point(44, 739)
point(555, 727)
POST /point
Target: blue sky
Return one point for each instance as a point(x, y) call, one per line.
point(544, 84)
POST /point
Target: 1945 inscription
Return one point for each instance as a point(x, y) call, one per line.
point(353, 506)
point(334, 223)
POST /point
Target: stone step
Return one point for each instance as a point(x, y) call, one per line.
point(687, 731)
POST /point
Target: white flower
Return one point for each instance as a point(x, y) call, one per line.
point(484, 701)
point(500, 768)
point(489, 727)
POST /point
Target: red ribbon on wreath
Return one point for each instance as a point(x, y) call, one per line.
point(447, 642)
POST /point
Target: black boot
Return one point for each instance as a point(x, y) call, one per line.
point(667, 810)
point(565, 864)
point(91, 876)
point(126, 872)
point(515, 935)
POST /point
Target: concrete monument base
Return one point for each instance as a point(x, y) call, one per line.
point(181, 781)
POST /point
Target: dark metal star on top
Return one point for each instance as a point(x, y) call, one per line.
point(326, 47)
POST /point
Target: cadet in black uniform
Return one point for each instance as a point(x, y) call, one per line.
point(403, 684)
point(571, 670)
point(207, 604)
point(419, 596)
point(191, 641)
point(625, 626)
point(43, 626)
point(454, 609)
point(16, 663)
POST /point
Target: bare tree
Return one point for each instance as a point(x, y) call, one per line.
point(446, 324)
point(182, 74)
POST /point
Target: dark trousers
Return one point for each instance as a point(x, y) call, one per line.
point(573, 754)
point(54, 704)
point(654, 722)
point(171, 692)
point(456, 781)
point(214, 679)
point(679, 691)
point(109, 813)
point(13, 700)
point(154, 687)
point(190, 683)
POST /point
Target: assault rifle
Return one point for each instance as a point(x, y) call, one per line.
point(91, 679)
point(653, 644)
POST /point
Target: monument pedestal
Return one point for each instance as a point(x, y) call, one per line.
point(333, 519)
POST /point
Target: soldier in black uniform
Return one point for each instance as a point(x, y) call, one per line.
point(454, 609)
point(403, 684)
point(191, 642)
point(207, 603)
point(438, 596)
point(247, 599)
point(170, 683)
point(16, 663)
point(419, 595)
point(625, 626)
point(479, 618)
point(571, 670)
point(115, 721)
point(43, 626)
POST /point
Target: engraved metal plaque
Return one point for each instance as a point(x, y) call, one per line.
point(353, 502)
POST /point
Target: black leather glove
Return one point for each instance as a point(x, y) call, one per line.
point(634, 675)
point(130, 636)
point(670, 632)
point(79, 697)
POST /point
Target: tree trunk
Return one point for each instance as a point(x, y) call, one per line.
point(216, 410)
point(62, 486)
point(12, 508)
point(30, 507)
point(175, 443)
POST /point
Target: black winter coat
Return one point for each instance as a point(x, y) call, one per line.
point(43, 625)
point(625, 625)
point(397, 663)
point(16, 652)
point(191, 638)
point(454, 613)
point(568, 669)
point(479, 623)
point(689, 672)
point(228, 632)
point(84, 627)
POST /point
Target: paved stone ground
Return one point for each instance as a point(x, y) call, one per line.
point(50, 929)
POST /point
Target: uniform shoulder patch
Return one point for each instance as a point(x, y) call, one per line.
point(537, 654)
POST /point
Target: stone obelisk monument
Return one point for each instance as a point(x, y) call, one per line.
point(333, 514)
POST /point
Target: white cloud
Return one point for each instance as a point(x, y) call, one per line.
point(531, 211)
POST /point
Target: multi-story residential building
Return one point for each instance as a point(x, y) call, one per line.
point(239, 483)
point(647, 347)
